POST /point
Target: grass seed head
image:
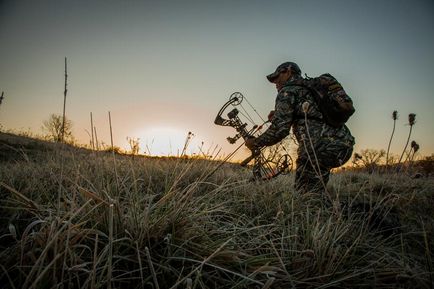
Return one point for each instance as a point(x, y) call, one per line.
point(415, 146)
point(412, 118)
point(395, 115)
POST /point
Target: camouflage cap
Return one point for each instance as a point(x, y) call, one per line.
point(283, 67)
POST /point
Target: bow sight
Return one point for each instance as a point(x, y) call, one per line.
point(262, 165)
point(237, 123)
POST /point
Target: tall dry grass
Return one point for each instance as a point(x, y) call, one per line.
point(159, 223)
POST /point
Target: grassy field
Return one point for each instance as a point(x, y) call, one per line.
point(72, 218)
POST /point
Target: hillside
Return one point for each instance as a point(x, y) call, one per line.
point(81, 219)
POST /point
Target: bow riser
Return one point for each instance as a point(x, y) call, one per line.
point(235, 122)
point(261, 165)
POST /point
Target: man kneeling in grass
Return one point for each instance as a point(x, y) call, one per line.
point(321, 145)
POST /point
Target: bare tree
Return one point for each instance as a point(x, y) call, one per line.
point(54, 126)
point(356, 160)
point(371, 158)
point(134, 145)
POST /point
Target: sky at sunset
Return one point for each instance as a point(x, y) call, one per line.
point(164, 68)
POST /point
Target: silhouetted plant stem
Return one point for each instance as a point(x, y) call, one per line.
point(411, 121)
point(110, 247)
point(394, 117)
point(187, 142)
point(96, 139)
point(2, 97)
point(91, 128)
point(415, 147)
point(411, 153)
point(113, 152)
point(406, 144)
point(64, 101)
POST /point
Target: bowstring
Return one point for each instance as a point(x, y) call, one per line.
point(246, 115)
point(257, 113)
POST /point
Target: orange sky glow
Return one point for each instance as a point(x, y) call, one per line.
point(164, 69)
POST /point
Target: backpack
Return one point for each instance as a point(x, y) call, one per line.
point(335, 105)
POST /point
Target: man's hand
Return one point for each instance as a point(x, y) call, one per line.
point(271, 115)
point(250, 143)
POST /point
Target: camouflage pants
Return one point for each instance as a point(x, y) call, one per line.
point(314, 165)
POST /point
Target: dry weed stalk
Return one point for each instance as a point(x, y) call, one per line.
point(411, 122)
point(414, 148)
point(190, 135)
point(110, 254)
point(2, 97)
point(64, 101)
point(394, 117)
point(92, 143)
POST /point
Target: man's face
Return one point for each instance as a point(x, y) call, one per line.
point(282, 79)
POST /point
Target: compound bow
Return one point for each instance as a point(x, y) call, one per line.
point(264, 168)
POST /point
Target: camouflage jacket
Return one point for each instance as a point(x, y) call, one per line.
point(289, 113)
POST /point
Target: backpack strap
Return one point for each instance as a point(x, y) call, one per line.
point(315, 95)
